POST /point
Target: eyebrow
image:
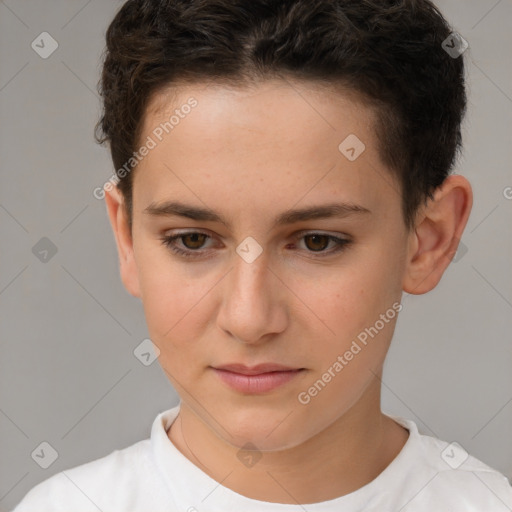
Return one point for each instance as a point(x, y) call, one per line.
point(176, 208)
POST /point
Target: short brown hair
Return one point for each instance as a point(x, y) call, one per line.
point(389, 51)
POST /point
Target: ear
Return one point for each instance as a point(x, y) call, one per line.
point(438, 230)
point(119, 221)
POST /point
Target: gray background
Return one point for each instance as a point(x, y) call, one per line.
point(68, 374)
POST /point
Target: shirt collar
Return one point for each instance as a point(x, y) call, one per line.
point(192, 489)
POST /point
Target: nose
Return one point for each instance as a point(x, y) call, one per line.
point(253, 307)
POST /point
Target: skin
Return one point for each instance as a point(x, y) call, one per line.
point(250, 154)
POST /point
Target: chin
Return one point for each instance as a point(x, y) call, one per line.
point(266, 432)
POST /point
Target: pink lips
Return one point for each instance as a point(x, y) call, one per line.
point(256, 379)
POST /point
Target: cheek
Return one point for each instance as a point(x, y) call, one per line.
point(172, 296)
point(358, 307)
point(172, 305)
point(175, 317)
point(356, 298)
point(359, 304)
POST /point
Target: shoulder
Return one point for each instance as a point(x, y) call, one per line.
point(450, 476)
point(93, 485)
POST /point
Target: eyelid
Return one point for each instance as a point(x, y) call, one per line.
point(176, 235)
point(296, 235)
point(340, 240)
point(323, 232)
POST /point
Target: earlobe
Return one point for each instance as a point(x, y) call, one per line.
point(439, 228)
point(124, 242)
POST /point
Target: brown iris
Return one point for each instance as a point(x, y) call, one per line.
point(318, 242)
point(197, 240)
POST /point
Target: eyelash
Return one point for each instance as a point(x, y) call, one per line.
point(341, 244)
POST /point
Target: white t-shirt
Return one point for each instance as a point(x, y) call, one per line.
point(428, 475)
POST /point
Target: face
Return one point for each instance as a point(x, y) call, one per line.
point(262, 278)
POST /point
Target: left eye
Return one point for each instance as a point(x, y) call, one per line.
point(193, 241)
point(319, 241)
point(194, 238)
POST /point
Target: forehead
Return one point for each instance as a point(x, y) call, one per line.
point(278, 141)
point(323, 107)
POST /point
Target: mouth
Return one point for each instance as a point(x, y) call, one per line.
point(257, 379)
point(257, 369)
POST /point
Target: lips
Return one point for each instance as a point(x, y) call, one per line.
point(256, 370)
point(261, 378)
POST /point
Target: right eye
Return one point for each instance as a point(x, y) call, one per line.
point(192, 240)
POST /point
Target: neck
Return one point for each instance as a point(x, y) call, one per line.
point(348, 454)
